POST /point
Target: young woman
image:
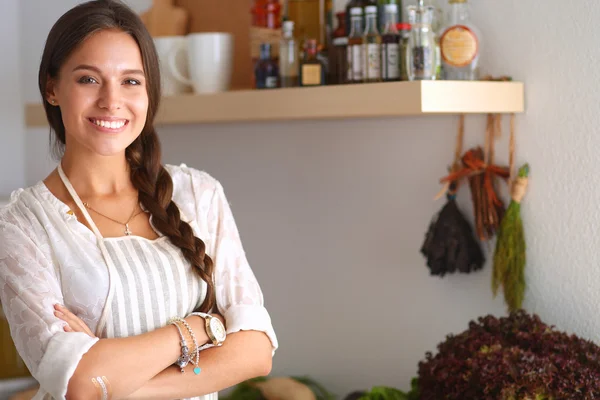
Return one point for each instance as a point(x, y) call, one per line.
point(103, 264)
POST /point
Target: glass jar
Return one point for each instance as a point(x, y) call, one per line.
point(421, 50)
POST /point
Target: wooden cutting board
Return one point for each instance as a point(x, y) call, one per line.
point(231, 16)
point(166, 19)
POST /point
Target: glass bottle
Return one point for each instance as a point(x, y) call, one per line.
point(288, 56)
point(352, 4)
point(273, 14)
point(381, 19)
point(421, 43)
point(372, 46)
point(266, 14)
point(404, 30)
point(340, 31)
point(312, 70)
point(460, 44)
point(338, 58)
point(266, 71)
point(355, 52)
point(259, 13)
point(390, 45)
point(339, 61)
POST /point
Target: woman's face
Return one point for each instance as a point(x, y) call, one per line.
point(101, 92)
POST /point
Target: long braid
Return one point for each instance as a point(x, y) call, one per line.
point(155, 188)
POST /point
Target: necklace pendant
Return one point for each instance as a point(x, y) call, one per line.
point(127, 230)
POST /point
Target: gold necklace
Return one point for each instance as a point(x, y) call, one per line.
point(126, 224)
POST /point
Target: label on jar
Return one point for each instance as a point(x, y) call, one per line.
point(459, 46)
point(390, 61)
point(311, 75)
point(271, 82)
point(373, 54)
point(422, 62)
point(356, 57)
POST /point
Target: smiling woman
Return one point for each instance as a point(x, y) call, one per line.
point(101, 91)
point(120, 273)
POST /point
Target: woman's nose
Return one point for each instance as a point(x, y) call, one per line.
point(110, 98)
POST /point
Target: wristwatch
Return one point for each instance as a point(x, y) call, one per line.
point(214, 329)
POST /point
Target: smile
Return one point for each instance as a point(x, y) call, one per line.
point(113, 125)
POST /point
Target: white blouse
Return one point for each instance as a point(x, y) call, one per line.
point(47, 256)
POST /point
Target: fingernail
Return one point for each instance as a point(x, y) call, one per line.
point(59, 305)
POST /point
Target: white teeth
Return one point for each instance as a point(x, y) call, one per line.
point(110, 124)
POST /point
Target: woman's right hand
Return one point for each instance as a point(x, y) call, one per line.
point(74, 323)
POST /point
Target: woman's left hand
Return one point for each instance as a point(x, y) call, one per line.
point(74, 323)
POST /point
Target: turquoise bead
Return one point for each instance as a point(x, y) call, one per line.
point(197, 370)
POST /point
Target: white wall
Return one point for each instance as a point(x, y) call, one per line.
point(333, 213)
point(12, 134)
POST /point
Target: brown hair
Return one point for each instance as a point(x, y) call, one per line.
point(148, 175)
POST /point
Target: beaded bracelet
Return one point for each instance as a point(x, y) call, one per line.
point(184, 359)
point(197, 369)
point(185, 350)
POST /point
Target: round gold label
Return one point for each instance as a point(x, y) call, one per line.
point(459, 46)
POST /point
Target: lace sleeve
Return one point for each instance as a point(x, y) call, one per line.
point(29, 288)
point(239, 297)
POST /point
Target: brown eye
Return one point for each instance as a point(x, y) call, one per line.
point(87, 80)
point(133, 82)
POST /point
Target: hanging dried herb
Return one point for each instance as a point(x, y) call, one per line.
point(450, 245)
point(509, 256)
point(479, 169)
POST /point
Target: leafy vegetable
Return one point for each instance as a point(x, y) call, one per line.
point(512, 358)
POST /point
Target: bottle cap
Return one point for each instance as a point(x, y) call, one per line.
point(371, 9)
point(288, 25)
point(356, 11)
point(403, 26)
point(391, 8)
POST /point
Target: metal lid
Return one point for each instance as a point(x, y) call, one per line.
point(356, 11)
point(371, 9)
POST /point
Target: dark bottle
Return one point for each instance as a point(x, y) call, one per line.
point(390, 45)
point(338, 59)
point(266, 71)
point(312, 70)
point(340, 31)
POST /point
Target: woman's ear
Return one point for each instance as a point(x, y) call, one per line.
point(51, 91)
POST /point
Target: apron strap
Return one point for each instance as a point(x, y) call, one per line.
point(79, 203)
point(109, 262)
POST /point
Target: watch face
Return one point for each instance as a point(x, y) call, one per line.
point(218, 329)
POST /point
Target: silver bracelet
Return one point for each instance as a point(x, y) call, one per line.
point(184, 359)
point(196, 349)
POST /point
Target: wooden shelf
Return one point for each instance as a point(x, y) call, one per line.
point(328, 102)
